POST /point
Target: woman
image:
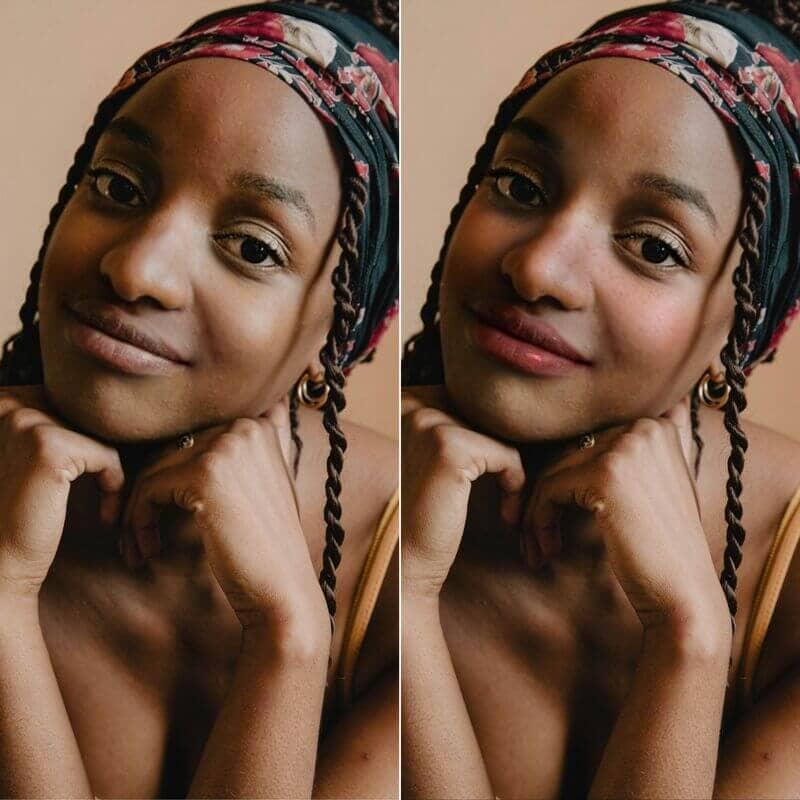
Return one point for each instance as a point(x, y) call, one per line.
point(223, 252)
point(564, 541)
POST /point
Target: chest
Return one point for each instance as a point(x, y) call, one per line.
point(141, 693)
point(545, 662)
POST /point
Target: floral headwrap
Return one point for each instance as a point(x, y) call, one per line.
point(348, 72)
point(750, 73)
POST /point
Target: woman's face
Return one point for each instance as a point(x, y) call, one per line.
point(207, 221)
point(608, 220)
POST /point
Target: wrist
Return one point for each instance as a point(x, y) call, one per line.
point(17, 594)
point(289, 637)
point(419, 581)
point(691, 636)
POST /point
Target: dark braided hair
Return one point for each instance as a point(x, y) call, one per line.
point(21, 361)
point(422, 358)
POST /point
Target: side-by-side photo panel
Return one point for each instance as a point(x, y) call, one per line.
point(600, 458)
point(199, 562)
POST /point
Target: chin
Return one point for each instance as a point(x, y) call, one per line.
point(503, 409)
point(107, 410)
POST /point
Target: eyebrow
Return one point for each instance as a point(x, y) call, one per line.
point(272, 190)
point(535, 132)
point(668, 187)
point(265, 187)
point(677, 190)
point(134, 132)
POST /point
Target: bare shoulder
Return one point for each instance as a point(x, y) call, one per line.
point(771, 473)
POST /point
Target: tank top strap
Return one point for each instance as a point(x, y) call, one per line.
point(373, 572)
point(766, 598)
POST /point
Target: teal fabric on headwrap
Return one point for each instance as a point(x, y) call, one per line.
point(348, 72)
point(750, 73)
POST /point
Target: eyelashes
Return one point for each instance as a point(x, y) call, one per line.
point(523, 192)
point(253, 250)
point(116, 187)
point(517, 187)
point(256, 250)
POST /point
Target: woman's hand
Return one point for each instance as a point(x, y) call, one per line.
point(234, 492)
point(637, 490)
point(442, 457)
point(39, 460)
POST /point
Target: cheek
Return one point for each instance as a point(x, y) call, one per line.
point(649, 324)
point(76, 246)
point(262, 336)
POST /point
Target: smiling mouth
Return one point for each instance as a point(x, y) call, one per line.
point(519, 340)
point(114, 343)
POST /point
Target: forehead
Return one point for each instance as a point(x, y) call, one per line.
point(628, 116)
point(219, 116)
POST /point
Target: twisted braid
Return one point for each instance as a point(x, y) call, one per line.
point(331, 358)
point(698, 440)
point(21, 361)
point(732, 358)
point(294, 426)
point(421, 362)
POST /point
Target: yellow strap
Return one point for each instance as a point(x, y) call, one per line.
point(366, 595)
point(769, 587)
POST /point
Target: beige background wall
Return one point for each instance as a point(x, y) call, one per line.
point(460, 58)
point(59, 58)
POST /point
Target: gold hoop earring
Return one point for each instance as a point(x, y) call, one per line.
point(713, 394)
point(312, 393)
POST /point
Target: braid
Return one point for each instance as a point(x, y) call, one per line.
point(733, 355)
point(21, 361)
point(331, 356)
point(422, 352)
point(698, 440)
point(294, 425)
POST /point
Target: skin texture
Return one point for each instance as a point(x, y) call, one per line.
point(158, 259)
point(202, 667)
point(570, 636)
point(569, 266)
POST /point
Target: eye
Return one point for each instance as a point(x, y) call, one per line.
point(517, 187)
point(657, 249)
point(116, 187)
point(261, 252)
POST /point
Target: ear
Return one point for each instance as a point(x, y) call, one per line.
point(717, 370)
point(315, 370)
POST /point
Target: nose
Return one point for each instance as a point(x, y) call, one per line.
point(151, 261)
point(553, 261)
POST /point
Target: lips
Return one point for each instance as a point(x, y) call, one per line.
point(106, 318)
point(524, 326)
